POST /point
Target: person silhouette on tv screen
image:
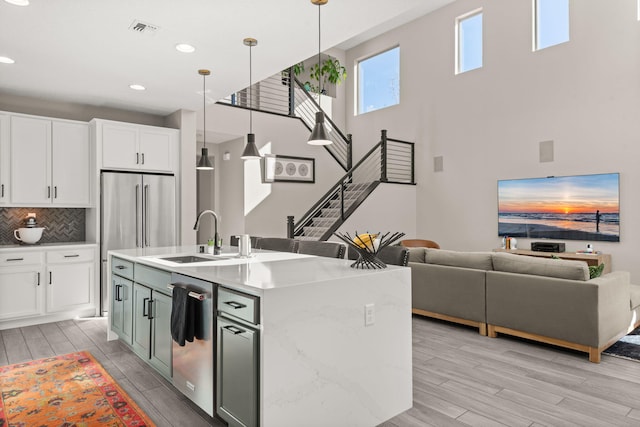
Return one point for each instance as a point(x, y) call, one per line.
point(598, 220)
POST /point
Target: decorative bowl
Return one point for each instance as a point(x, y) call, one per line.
point(368, 245)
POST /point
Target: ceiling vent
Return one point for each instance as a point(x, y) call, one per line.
point(143, 27)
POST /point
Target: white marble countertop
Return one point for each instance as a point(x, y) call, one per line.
point(263, 271)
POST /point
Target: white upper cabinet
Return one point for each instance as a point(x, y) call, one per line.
point(30, 161)
point(50, 162)
point(136, 147)
point(4, 159)
point(71, 164)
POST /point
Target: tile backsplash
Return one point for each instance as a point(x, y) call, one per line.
point(61, 224)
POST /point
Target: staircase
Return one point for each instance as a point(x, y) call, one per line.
point(389, 161)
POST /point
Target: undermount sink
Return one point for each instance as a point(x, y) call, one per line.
point(190, 259)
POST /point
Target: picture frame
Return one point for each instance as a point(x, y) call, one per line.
point(278, 168)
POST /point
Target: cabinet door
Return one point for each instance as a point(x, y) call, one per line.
point(20, 291)
point(161, 342)
point(120, 147)
point(237, 371)
point(69, 286)
point(141, 323)
point(4, 159)
point(122, 308)
point(155, 150)
point(71, 162)
point(30, 160)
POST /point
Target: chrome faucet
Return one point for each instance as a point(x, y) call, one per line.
point(216, 240)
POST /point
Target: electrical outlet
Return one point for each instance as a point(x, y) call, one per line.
point(369, 314)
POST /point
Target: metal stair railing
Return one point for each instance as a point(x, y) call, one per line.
point(282, 95)
point(390, 161)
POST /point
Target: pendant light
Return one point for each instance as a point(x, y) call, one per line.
point(250, 150)
point(204, 163)
point(319, 134)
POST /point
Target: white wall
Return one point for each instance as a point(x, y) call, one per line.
point(487, 123)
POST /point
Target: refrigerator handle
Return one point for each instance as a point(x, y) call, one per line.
point(137, 211)
point(147, 228)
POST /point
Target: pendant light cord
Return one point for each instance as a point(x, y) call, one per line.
point(204, 109)
point(319, 38)
point(250, 93)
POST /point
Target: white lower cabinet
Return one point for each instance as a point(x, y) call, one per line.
point(40, 284)
point(20, 288)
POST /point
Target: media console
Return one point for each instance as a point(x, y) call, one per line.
point(590, 259)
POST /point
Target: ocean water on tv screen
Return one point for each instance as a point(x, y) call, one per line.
point(557, 224)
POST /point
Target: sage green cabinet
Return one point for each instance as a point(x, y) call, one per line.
point(122, 308)
point(237, 358)
point(152, 318)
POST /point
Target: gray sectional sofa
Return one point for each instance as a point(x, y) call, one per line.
point(548, 300)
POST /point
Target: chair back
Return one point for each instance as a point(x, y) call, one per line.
point(233, 241)
point(395, 255)
point(279, 244)
point(419, 243)
point(321, 248)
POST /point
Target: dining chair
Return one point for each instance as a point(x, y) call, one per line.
point(321, 248)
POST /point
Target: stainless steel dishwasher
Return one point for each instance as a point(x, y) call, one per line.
point(193, 363)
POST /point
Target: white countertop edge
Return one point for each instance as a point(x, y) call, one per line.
point(46, 246)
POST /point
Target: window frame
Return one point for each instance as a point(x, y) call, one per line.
point(536, 31)
point(458, 50)
point(359, 85)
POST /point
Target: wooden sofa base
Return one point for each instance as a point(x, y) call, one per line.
point(594, 352)
point(482, 327)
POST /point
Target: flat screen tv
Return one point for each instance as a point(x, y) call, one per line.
point(581, 207)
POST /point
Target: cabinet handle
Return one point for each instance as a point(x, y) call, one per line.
point(2, 190)
point(146, 231)
point(137, 158)
point(118, 297)
point(234, 330)
point(235, 305)
point(121, 267)
point(73, 256)
point(136, 217)
point(143, 158)
point(48, 191)
point(55, 192)
point(150, 316)
point(145, 308)
point(15, 259)
point(38, 279)
point(50, 278)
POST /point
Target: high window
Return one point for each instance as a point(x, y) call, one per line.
point(469, 41)
point(379, 81)
point(551, 24)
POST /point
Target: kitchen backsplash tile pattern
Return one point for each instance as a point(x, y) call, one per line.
point(61, 224)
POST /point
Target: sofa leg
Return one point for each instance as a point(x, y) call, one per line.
point(482, 328)
point(594, 355)
point(492, 331)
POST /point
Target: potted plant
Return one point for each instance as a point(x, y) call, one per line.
point(330, 71)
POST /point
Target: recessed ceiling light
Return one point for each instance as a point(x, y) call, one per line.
point(137, 87)
point(185, 48)
point(6, 60)
point(18, 2)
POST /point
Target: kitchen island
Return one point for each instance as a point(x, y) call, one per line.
point(334, 342)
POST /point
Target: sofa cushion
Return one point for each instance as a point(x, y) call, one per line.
point(416, 254)
point(477, 260)
point(559, 268)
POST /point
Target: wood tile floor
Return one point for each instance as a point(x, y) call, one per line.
point(460, 378)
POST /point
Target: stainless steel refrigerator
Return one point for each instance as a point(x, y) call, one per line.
point(137, 211)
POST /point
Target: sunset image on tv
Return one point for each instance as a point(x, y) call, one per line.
point(585, 207)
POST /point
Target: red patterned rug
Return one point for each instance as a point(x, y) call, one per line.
point(68, 390)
